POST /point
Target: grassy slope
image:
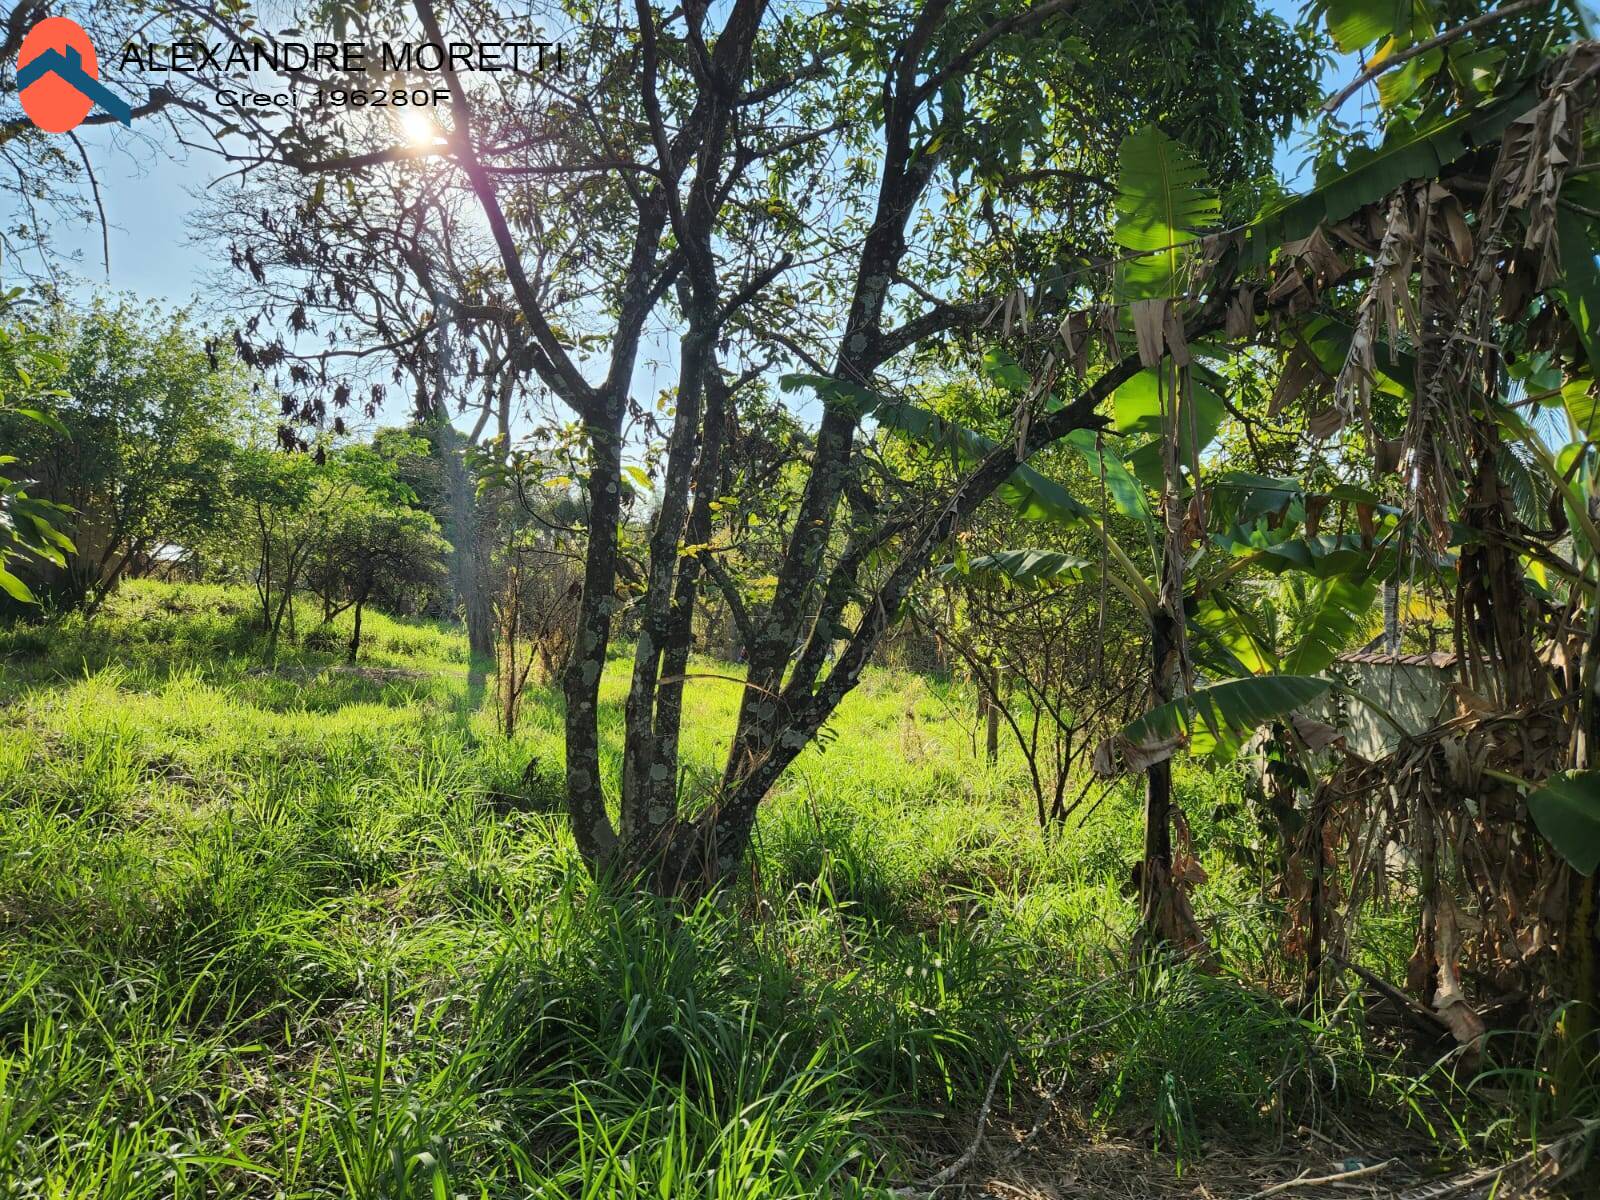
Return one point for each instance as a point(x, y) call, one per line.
point(308, 934)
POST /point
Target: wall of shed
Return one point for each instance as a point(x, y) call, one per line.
point(1418, 697)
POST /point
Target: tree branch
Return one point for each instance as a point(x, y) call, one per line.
point(730, 593)
point(557, 368)
point(984, 40)
point(1449, 35)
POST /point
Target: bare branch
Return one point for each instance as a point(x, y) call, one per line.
point(552, 359)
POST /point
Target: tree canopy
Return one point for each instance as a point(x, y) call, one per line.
point(983, 324)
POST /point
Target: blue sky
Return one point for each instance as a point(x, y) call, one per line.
point(149, 201)
point(150, 196)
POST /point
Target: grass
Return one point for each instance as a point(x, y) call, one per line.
point(310, 933)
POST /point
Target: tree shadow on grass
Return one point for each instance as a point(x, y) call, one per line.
point(477, 687)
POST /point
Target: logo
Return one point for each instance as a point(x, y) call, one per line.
point(58, 77)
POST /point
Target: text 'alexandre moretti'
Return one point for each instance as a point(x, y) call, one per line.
point(349, 57)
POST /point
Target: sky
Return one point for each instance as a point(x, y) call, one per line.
point(149, 201)
point(150, 197)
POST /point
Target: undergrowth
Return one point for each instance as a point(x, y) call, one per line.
point(315, 933)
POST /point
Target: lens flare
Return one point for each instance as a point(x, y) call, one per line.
point(418, 127)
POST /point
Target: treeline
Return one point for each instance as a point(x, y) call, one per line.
point(139, 447)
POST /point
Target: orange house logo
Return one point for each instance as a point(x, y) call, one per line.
point(58, 78)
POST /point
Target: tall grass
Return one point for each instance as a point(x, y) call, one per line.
point(313, 933)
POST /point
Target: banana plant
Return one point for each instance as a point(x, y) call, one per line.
point(1263, 668)
point(1566, 808)
point(1168, 414)
point(28, 524)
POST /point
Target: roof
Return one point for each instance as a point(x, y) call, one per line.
point(1440, 660)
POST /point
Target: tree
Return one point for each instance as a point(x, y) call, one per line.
point(533, 575)
point(1033, 627)
point(535, 590)
point(374, 550)
point(1044, 672)
point(282, 505)
point(378, 540)
point(50, 179)
point(146, 424)
point(1449, 268)
point(761, 185)
point(1175, 286)
point(340, 522)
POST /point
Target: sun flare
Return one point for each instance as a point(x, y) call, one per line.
point(418, 127)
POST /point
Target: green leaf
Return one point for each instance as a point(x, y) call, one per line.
point(1163, 203)
point(1537, 372)
point(1371, 175)
point(1567, 811)
point(1580, 288)
point(15, 588)
point(1355, 24)
point(1022, 568)
point(1328, 338)
point(44, 418)
point(1398, 86)
point(1126, 493)
point(849, 396)
point(1025, 490)
point(1036, 498)
point(1220, 717)
point(1324, 556)
point(1002, 369)
point(963, 445)
point(1336, 615)
point(1583, 406)
point(1246, 496)
point(1234, 630)
point(1136, 410)
point(1136, 407)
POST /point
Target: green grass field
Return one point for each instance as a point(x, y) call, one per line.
point(315, 933)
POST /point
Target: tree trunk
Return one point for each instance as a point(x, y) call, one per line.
point(991, 737)
point(1422, 971)
point(466, 575)
point(355, 636)
point(277, 623)
point(650, 748)
point(580, 683)
point(1155, 874)
point(264, 570)
point(509, 634)
point(1581, 962)
point(903, 178)
point(1316, 851)
point(1158, 898)
point(291, 573)
point(480, 620)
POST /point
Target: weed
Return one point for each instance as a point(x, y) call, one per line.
point(311, 932)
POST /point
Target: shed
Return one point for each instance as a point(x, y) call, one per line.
point(1414, 689)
